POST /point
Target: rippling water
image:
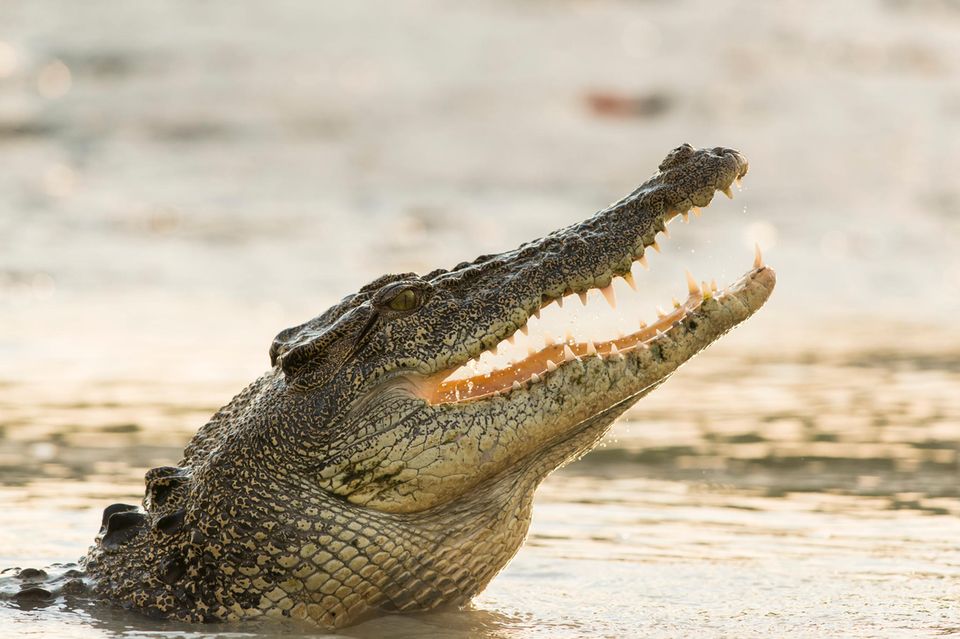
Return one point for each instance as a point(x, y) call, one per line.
point(181, 181)
point(790, 497)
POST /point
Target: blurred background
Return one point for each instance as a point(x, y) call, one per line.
point(180, 181)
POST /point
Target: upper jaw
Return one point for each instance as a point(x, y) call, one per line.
point(585, 256)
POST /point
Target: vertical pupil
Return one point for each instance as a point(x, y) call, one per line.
point(404, 301)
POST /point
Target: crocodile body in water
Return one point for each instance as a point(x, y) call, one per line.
point(372, 469)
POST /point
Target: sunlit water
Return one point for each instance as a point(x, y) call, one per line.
point(181, 181)
point(789, 498)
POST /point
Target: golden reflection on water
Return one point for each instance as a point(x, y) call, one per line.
point(751, 493)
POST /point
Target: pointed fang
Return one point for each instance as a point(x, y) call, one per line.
point(728, 192)
point(692, 285)
point(757, 257)
point(628, 278)
point(583, 297)
point(551, 366)
point(609, 295)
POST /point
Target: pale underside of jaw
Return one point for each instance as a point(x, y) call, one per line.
point(528, 356)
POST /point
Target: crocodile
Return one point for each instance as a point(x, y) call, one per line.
point(373, 469)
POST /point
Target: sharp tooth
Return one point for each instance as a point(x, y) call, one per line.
point(666, 232)
point(676, 304)
point(697, 211)
point(686, 217)
point(609, 295)
point(525, 329)
point(559, 301)
point(494, 349)
point(628, 278)
point(713, 286)
point(643, 325)
point(583, 297)
point(728, 192)
point(516, 385)
point(551, 366)
point(568, 353)
point(534, 379)
point(536, 313)
point(692, 285)
point(512, 339)
point(591, 349)
point(655, 246)
point(739, 182)
point(644, 263)
point(613, 349)
point(661, 312)
point(757, 257)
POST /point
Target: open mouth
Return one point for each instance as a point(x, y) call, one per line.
point(529, 356)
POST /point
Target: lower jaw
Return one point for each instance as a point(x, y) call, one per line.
point(754, 288)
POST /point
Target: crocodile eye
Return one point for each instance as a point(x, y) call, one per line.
point(404, 301)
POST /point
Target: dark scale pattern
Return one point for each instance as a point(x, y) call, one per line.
point(328, 490)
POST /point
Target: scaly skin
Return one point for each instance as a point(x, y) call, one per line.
point(340, 485)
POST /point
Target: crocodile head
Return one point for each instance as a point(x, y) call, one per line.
point(373, 469)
